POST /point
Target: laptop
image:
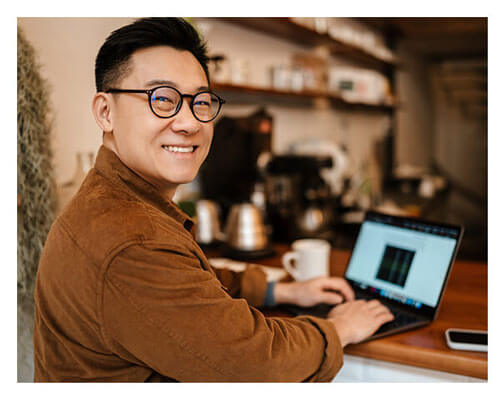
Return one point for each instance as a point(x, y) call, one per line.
point(404, 263)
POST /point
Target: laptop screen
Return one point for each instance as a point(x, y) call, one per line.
point(403, 259)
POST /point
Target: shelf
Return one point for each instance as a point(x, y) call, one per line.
point(335, 100)
point(286, 28)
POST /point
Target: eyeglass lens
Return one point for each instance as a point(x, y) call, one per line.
point(165, 103)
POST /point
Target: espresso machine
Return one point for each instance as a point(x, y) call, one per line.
point(231, 180)
point(229, 174)
point(288, 190)
point(298, 198)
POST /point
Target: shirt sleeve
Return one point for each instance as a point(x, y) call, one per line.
point(250, 284)
point(162, 310)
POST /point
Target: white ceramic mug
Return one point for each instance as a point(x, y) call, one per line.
point(309, 259)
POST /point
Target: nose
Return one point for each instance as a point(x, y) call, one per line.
point(185, 122)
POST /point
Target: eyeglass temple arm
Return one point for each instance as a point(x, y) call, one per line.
point(127, 91)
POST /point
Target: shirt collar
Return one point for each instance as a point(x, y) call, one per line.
point(112, 168)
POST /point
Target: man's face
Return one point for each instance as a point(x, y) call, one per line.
point(148, 144)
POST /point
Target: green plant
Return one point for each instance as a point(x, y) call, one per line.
point(36, 188)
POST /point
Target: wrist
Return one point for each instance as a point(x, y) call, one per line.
point(342, 333)
point(282, 293)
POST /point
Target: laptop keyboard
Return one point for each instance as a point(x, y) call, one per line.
point(400, 318)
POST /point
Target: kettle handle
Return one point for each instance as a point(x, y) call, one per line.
point(287, 259)
point(220, 236)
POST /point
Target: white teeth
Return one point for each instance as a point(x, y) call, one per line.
point(178, 149)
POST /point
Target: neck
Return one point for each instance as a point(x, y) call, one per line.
point(166, 191)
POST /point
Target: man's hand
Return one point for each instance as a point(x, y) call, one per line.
point(331, 290)
point(357, 320)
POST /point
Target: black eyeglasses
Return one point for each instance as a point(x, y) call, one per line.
point(166, 101)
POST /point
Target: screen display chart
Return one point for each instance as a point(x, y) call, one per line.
point(405, 262)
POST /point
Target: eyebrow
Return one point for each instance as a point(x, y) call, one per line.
point(160, 82)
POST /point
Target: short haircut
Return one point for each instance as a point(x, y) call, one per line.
point(113, 59)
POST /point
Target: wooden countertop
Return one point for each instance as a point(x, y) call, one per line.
point(464, 305)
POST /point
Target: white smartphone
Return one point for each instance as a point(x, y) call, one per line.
point(467, 340)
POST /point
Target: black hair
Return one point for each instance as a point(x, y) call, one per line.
point(112, 61)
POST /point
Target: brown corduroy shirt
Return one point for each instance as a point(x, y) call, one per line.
point(124, 293)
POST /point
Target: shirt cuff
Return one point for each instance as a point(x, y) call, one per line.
point(253, 286)
point(332, 359)
point(269, 298)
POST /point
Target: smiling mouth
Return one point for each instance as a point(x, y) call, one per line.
point(180, 149)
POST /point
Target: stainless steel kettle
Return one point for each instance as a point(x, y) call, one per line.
point(245, 229)
point(208, 228)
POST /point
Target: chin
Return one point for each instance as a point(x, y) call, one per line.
point(182, 179)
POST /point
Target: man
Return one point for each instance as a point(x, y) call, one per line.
point(123, 291)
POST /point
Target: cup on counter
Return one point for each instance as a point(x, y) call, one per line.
point(308, 259)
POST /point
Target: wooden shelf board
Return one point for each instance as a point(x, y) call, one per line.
point(333, 98)
point(290, 30)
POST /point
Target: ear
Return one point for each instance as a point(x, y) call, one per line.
point(102, 111)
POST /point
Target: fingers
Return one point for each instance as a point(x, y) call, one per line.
point(383, 312)
point(387, 317)
point(339, 284)
point(331, 298)
point(374, 303)
point(378, 309)
point(382, 316)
